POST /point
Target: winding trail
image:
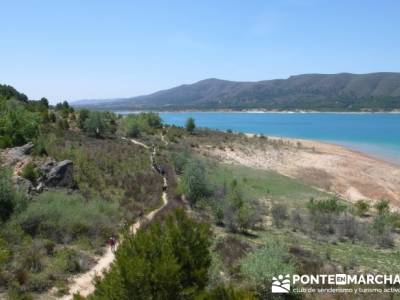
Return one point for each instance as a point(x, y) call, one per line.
point(83, 283)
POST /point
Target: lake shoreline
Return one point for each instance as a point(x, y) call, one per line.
point(256, 111)
point(317, 143)
point(330, 167)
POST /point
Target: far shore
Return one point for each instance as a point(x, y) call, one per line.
point(255, 111)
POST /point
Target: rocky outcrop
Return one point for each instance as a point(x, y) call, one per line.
point(57, 174)
point(53, 174)
point(12, 156)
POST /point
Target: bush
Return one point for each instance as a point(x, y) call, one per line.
point(96, 125)
point(362, 207)
point(4, 253)
point(166, 260)
point(330, 206)
point(7, 194)
point(226, 293)
point(190, 125)
point(194, 181)
point(62, 217)
point(261, 265)
point(279, 214)
point(382, 206)
point(180, 160)
point(83, 115)
point(29, 172)
point(18, 125)
point(134, 124)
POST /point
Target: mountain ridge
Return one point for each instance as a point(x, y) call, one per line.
point(321, 92)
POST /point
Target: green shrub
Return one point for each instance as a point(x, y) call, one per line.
point(190, 125)
point(83, 115)
point(329, 206)
point(7, 194)
point(226, 293)
point(30, 172)
point(4, 253)
point(180, 160)
point(39, 282)
point(62, 217)
point(133, 125)
point(18, 125)
point(167, 260)
point(99, 124)
point(194, 181)
point(382, 206)
point(279, 214)
point(362, 207)
point(261, 265)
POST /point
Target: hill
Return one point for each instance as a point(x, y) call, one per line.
point(321, 92)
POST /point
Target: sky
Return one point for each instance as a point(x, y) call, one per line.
point(95, 49)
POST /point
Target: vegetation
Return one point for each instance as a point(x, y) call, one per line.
point(167, 260)
point(265, 224)
point(134, 125)
point(362, 207)
point(194, 182)
point(322, 92)
point(261, 265)
point(8, 92)
point(83, 115)
point(190, 125)
point(18, 124)
point(29, 172)
point(60, 217)
point(382, 206)
point(99, 124)
point(7, 194)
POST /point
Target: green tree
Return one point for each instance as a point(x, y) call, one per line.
point(17, 124)
point(190, 125)
point(238, 214)
point(83, 115)
point(166, 260)
point(44, 102)
point(194, 181)
point(96, 125)
point(7, 194)
point(134, 124)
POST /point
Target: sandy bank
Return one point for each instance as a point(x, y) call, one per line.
point(330, 167)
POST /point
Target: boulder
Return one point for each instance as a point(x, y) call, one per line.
point(58, 174)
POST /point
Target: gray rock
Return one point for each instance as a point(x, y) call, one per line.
point(58, 174)
point(14, 155)
point(24, 185)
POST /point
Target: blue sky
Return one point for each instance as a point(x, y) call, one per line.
point(104, 49)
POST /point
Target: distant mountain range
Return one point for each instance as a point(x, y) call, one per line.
point(319, 92)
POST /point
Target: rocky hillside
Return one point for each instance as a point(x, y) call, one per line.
point(322, 92)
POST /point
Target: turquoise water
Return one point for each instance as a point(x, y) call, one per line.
point(377, 134)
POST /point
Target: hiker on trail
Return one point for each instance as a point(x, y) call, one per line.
point(164, 187)
point(112, 242)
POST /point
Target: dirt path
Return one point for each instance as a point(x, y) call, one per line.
point(136, 142)
point(83, 283)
